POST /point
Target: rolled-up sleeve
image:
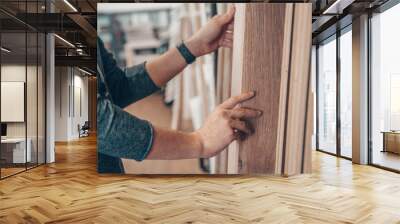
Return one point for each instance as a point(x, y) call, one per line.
point(121, 134)
point(125, 86)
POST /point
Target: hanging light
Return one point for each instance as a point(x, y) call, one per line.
point(337, 7)
point(5, 50)
point(70, 5)
point(84, 71)
point(64, 40)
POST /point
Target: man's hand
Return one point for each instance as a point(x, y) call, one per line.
point(225, 124)
point(216, 33)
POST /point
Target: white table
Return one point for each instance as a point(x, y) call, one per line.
point(19, 153)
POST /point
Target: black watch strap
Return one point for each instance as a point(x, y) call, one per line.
point(186, 54)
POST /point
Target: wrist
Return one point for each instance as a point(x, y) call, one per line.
point(193, 47)
point(198, 143)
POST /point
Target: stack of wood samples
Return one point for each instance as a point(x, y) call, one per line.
point(194, 88)
point(271, 55)
point(224, 73)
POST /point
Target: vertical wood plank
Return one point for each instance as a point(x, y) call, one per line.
point(263, 45)
point(298, 89)
point(283, 87)
point(180, 99)
point(307, 160)
point(236, 80)
point(224, 68)
point(271, 56)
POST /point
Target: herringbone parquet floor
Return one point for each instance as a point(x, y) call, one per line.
point(70, 191)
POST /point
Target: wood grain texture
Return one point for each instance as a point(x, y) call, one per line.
point(227, 72)
point(309, 133)
point(195, 90)
point(263, 46)
point(298, 89)
point(271, 56)
point(71, 191)
point(224, 72)
point(236, 79)
point(392, 142)
point(283, 88)
point(181, 96)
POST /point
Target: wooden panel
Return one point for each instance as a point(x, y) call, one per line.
point(271, 56)
point(261, 73)
point(224, 72)
point(309, 133)
point(178, 107)
point(299, 75)
point(285, 67)
point(181, 95)
point(392, 142)
point(237, 67)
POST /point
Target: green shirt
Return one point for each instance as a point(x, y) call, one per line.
point(120, 134)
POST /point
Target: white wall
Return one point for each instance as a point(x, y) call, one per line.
point(12, 73)
point(80, 83)
point(33, 126)
point(12, 101)
point(62, 81)
point(69, 82)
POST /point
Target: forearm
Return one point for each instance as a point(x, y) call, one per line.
point(168, 145)
point(216, 33)
point(164, 67)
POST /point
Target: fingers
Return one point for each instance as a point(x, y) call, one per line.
point(226, 43)
point(226, 40)
point(233, 101)
point(244, 113)
point(229, 29)
point(241, 126)
point(238, 135)
point(228, 16)
point(228, 36)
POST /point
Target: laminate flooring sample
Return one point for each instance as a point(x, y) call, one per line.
point(224, 73)
point(271, 55)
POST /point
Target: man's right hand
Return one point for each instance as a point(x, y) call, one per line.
point(226, 123)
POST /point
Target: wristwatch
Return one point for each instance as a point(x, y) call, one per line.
point(186, 54)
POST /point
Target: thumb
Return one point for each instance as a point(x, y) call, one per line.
point(228, 16)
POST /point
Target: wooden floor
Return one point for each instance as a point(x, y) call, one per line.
point(70, 191)
point(10, 171)
point(5, 172)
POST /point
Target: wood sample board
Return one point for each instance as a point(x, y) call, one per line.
point(224, 74)
point(271, 55)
